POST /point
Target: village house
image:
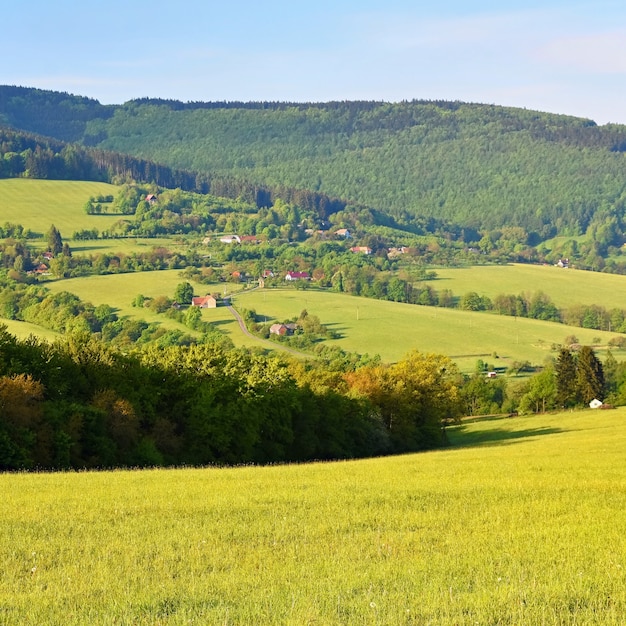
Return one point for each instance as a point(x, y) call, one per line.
point(151, 198)
point(291, 276)
point(343, 232)
point(283, 329)
point(41, 270)
point(361, 250)
point(395, 252)
point(204, 302)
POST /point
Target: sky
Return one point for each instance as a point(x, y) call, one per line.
point(559, 56)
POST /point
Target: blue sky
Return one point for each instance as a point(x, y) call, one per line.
point(563, 57)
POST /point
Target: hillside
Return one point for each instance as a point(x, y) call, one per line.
point(520, 522)
point(475, 165)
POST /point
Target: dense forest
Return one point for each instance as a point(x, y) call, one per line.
point(481, 166)
point(79, 403)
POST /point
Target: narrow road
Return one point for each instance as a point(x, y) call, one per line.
point(274, 345)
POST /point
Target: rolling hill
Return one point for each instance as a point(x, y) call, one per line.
point(475, 165)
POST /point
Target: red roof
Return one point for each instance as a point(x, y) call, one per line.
point(295, 275)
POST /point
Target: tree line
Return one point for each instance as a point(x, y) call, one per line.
point(78, 403)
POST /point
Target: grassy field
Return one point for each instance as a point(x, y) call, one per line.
point(367, 326)
point(119, 290)
point(391, 329)
point(24, 329)
point(565, 287)
point(521, 522)
point(36, 204)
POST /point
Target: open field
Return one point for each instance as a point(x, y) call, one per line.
point(565, 287)
point(123, 245)
point(391, 329)
point(24, 329)
point(36, 204)
point(119, 290)
point(522, 522)
point(367, 326)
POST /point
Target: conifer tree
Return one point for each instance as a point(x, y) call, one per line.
point(55, 241)
point(566, 379)
point(589, 376)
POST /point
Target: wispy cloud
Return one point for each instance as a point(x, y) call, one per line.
point(602, 52)
point(408, 31)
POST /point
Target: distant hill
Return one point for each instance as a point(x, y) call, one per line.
point(481, 166)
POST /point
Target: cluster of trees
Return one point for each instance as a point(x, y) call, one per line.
point(304, 331)
point(78, 404)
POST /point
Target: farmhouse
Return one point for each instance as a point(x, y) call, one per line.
point(151, 198)
point(41, 269)
point(395, 252)
point(343, 232)
point(282, 329)
point(297, 276)
point(204, 302)
point(361, 249)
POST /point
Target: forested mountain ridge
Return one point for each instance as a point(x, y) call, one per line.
point(482, 166)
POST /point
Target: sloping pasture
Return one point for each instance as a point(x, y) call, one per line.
point(119, 290)
point(520, 522)
point(366, 326)
point(391, 329)
point(36, 204)
point(566, 287)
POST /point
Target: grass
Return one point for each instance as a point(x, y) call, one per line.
point(566, 287)
point(392, 329)
point(127, 245)
point(23, 330)
point(367, 326)
point(119, 290)
point(521, 522)
point(36, 204)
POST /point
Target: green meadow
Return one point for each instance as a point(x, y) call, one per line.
point(566, 287)
point(370, 326)
point(22, 330)
point(520, 521)
point(36, 204)
point(391, 329)
point(119, 290)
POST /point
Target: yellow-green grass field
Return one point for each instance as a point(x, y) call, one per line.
point(36, 204)
point(566, 287)
point(392, 329)
point(523, 521)
point(23, 330)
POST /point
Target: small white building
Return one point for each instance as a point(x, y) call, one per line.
point(230, 239)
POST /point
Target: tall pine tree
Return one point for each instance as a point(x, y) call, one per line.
point(55, 241)
point(589, 376)
point(566, 379)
